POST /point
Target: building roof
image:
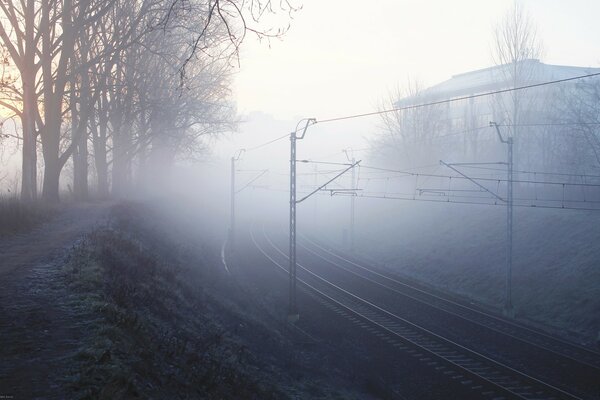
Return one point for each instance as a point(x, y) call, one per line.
point(495, 78)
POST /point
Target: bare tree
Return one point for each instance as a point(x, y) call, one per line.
point(236, 17)
point(578, 107)
point(84, 69)
point(41, 37)
point(409, 137)
point(21, 40)
point(516, 45)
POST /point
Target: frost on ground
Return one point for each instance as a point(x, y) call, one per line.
point(131, 312)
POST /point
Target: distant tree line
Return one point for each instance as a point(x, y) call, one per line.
point(120, 89)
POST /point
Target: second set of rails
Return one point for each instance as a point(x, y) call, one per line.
point(370, 298)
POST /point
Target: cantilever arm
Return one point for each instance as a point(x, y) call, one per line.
point(495, 125)
point(309, 122)
point(328, 182)
point(472, 180)
point(252, 181)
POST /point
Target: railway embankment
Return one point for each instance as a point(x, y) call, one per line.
point(462, 250)
point(134, 310)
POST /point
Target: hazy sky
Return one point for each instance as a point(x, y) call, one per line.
point(344, 56)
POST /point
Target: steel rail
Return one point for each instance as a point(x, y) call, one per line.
point(496, 387)
point(569, 347)
point(468, 361)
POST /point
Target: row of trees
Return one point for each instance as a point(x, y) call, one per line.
point(131, 84)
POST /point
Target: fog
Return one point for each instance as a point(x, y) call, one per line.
point(255, 199)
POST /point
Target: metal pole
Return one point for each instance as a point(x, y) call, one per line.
point(352, 199)
point(293, 315)
point(232, 201)
point(508, 308)
point(316, 183)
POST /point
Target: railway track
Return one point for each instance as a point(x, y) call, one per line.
point(482, 374)
point(541, 340)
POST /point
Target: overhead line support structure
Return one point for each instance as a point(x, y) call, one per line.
point(293, 314)
point(352, 198)
point(451, 166)
point(508, 307)
point(235, 158)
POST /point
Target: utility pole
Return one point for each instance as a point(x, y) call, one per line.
point(316, 200)
point(293, 315)
point(352, 199)
point(232, 205)
point(508, 307)
point(235, 158)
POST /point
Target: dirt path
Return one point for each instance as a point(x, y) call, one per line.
point(39, 328)
point(20, 252)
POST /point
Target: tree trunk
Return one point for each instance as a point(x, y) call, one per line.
point(51, 136)
point(29, 162)
point(141, 176)
point(121, 165)
point(51, 151)
point(101, 171)
point(51, 181)
point(99, 136)
point(80, 118)
point(79, 138)
point(80, 167)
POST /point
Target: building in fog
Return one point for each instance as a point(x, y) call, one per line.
point(527, 114)
point(482, 110)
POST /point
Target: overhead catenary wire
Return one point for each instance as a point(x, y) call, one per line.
point(479, 128)
point(450, 100)
point(253, 180)
point(267, 143)
point(475, 129)
point(322, 162)
point(249, 171)
point(329, 181)
point(461, 194)
point(536, 172)
point(408, 173)
point(448, 200)
point(320, 172)
point(309, 161)
point(415, 106)
point(455, 99)
point(469, 200)
point(342, 152)
point(549, 124)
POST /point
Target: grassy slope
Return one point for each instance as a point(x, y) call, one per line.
point(556, 259)
point(168, 324)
